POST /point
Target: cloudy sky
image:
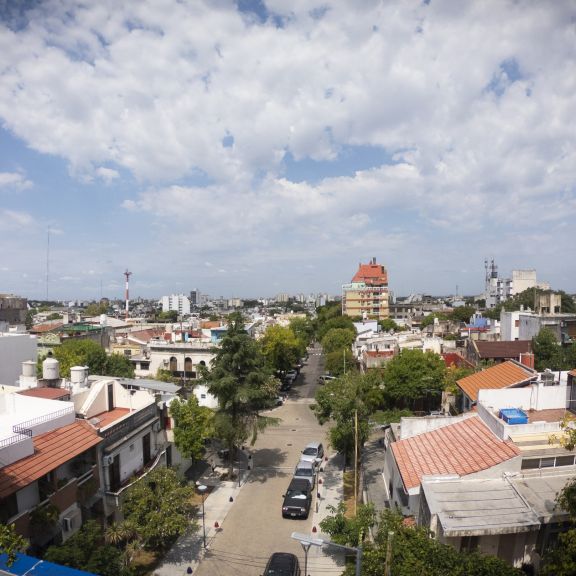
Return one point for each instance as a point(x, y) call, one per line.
point(261, 146)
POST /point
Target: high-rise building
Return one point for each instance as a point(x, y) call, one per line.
point(366, 296)
point(177, 302)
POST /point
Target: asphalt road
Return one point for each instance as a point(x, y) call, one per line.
point(254, 527)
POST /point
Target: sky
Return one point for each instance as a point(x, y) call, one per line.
point(258, 147)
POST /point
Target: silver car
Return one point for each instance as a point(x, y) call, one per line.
point(313, 452)
point(306, 471)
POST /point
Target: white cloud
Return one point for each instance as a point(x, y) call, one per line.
point(472, 101)
point(15, 220)
point(14, 181)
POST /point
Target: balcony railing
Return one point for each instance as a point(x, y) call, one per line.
point(127, 425)
point(27, 426)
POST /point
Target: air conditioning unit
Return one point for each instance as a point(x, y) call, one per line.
point(68, 523)
point(108, 460)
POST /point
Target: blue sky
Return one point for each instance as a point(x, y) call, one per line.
point(246, 148)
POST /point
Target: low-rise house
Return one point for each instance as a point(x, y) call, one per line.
point(505, 375)
point(479, 351)
point(49, 468)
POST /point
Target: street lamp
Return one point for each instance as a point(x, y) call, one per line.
point(202, 489)
point(308, 541)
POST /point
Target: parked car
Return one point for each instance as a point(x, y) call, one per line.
point(282, 564)
point(325, 378)
point(291, 374)
point(306, 471)
point(286, 385)
point(298, 499)
point(313, 452)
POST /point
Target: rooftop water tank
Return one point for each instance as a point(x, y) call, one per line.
point(50, 369)
point(29, 368)
point(78, 375)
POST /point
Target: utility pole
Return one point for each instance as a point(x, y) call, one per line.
point(127, 274)
point(388, 570)
point(355, 460)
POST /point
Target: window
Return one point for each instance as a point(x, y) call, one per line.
point(549, 462)
point(469, 543)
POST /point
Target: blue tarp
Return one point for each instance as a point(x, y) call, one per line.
point(29, 566)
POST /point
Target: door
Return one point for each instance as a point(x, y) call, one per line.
point(114, 474)
point(146, 448)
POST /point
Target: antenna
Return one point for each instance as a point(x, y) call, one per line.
point(127, 274)
point(48, 264)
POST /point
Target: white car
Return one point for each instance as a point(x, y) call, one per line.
point(313, 452)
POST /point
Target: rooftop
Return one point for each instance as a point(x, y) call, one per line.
point(503, 349)
point(502, 375)
point(47, 393)
point(51, 450)
point(371, 274)
point(462, 448)
point(106, 418)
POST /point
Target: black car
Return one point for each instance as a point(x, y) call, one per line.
point(298, 499)
point(282, 564)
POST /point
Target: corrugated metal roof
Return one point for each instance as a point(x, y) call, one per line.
point(461, 448)
point(496, 377)
point(50, 451)
point(30, 566)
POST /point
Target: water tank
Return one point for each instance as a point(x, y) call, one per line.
point(29, 368)
point(78, 375)
point(50, 369)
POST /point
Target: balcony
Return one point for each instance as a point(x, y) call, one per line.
point(127, 425)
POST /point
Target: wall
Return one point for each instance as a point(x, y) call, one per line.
point(413, 426)
point(28, 497)
point(15, 349)
point(534, 397)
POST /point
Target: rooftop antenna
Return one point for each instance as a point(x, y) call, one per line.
point(127, 274)
point(48, 264)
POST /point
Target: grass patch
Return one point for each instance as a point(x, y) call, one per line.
point(389, 416)
point(349, 493)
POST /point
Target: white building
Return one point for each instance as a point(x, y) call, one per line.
point(177, 302)
point(15, 348)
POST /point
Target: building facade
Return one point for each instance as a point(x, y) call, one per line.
point(177, 302)
point(366, 296)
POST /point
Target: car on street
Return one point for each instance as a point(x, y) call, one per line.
point(306, 471)
point(313, 452)
point(298, 499)
point(282, 564)
point(325, 378)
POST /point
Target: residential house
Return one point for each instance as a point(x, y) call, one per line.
point(479, 351)
point(505, 375)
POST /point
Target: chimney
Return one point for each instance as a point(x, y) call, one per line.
point(527, 359)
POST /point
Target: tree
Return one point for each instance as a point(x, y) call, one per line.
point(343, 399)
point(167, 316)
point(89, 353)
point(429, 320)
point(159, 508)
point(349, 531)
point(462, 313)
point(243, 386)
point(337, 339)
point(303, 330)
point(340, 361)
point(388, 324)
point(87, 550)
point(547, 351)
point(281, 348)
point(336, 322)
point(96, 308)
point(193, 424)
point(10, 542)
point(414, 378)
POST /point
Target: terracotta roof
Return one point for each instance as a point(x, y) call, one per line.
point(212, 324)
point(146, 335)
point(462, 448)
point(106, 418)
point(50, 451)
point(503, 349)
point(379, 353)
point(374, 274)
point(454, 359)
point(47, 327)
point(48, 393)
point(500, 376)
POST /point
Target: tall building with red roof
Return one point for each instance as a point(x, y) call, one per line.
point(366, 296)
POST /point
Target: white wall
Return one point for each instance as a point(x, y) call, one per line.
point(28, 497)
point(15, 349)
point(412, 426)
point(533, 397)
point(204, 397)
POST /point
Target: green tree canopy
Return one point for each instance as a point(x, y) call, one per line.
point(89, 353)
point(388, 324)
point(303, 329)
point(10, 542)
point(340, 362)
point(429, 320)
point(547, 351)
point(281, 348)
point(96, 308)
point(159, 508)
point(243, 386)
point(193, 424)
point(337, 339)
point(414, 378)
point(462, 313)
point(168, 316)
point(87, 550)
point(336, 322)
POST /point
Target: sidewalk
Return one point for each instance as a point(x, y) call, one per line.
point(188, 551)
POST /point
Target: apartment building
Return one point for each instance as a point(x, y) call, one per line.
point(366, 296)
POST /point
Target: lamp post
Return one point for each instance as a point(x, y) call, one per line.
point(202, 489)
point(308, 541)
point(305, 547)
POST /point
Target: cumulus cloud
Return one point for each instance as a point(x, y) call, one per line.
point(471, 105)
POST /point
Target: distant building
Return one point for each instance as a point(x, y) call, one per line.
point(366, 296)
point(13, 309)
point(498, 290)
point(177, 302)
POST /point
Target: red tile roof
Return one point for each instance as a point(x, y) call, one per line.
point(50, 451)
point(47, 327)
point(106, 418)
point(379, 353)
point(496, 377)
point(374, 274)
point(145, 335)
point(463, 448)
point(48, 393)
point(454, 359)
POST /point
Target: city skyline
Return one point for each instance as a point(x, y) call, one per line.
point(247, 149)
